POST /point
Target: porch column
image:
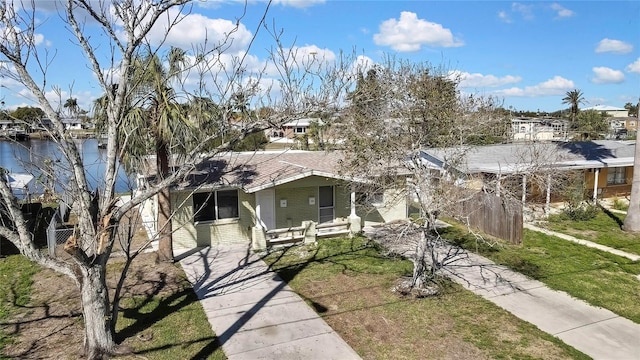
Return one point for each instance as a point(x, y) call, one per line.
point(355, 223)
point(524, 189)
point(595, 185)
point(547, 206)
point(258, 236)
point(353, 203)
point(258, 216)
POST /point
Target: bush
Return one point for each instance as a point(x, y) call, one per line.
point(580, 212)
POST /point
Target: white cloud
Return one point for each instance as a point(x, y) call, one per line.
point(361, 64)
point(502, 15)
point(605, 75)
point(555, 86)
point(479, 80)
point(561, 11)
point(188, 30)
point(526, 11)
point(614, 46)
point(409, 33)
point(298, 3)
point(634, 67)
point(196, 29)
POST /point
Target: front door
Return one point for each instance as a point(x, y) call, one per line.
point(265, 201)
point(325, 204)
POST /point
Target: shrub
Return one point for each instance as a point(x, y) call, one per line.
point(581, 211)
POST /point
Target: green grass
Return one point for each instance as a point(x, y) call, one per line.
point(171, 327)
point(15, 288)
point(349, 282)
point(600, 278)
point(604, 229)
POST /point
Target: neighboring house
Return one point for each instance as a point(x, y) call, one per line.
point(538, 129)
point(609, 110)
point(631, 124)
point(618, 127)
point(263, 198)
point(292, 129)
point(607, 166)
point(72, 123)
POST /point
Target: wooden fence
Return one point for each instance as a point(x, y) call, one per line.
point(493, 215)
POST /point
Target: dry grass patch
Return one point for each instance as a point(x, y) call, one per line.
point(160, 316)
point(349, 283)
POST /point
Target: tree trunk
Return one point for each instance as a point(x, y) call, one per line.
point(165, 240)
point(632, 221)
point(98, 338)
point(419, 264)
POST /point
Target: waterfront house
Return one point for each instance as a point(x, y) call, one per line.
point(266, 198)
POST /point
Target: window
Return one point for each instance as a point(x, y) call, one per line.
point(616, 176)
point(209, 206)
point(299, 130)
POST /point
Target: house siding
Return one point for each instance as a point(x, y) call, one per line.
point(394, 208)
point(188, 235)
point(297, 194)
point(609, 190)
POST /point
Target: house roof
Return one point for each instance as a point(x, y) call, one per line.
point(19, 181)
point(523, 157)
point(302, 122)
point(255, 171)
point(604, 108)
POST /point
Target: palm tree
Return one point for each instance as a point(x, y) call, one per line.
point(574, 98)
point(152, 121)
point(72, 106)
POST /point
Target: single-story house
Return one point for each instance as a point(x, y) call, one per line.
point(293, 128)
point(263, 198)
point(606, 166)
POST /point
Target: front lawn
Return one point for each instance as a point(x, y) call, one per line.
point(15, 290)
point(160, 317)
point(349, 283)
point(605, 229)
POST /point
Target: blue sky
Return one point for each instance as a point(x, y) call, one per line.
point(528, 54)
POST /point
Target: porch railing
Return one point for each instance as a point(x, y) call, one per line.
point(308, 232)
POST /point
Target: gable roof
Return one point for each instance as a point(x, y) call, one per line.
point(520, 157)
point(255, 171)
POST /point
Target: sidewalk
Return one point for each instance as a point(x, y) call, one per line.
point(594, 331)
point(254, 313)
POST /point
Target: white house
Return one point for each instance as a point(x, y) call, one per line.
point(610, 110)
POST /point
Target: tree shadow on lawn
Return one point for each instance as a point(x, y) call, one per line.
point(613, 216)
point(163, 297)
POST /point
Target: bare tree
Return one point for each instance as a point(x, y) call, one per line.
point(126, 24)
point(395, 110)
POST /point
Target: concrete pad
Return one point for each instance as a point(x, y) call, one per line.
point(254, 313)
point(313, 347)
point(616, 338)
point(552, 311)
point(594, 331)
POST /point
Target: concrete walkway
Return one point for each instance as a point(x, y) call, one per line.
point(254, 313)
point(591, 244)
point(594, 331)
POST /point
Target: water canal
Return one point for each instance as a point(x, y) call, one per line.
point(34, 156)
